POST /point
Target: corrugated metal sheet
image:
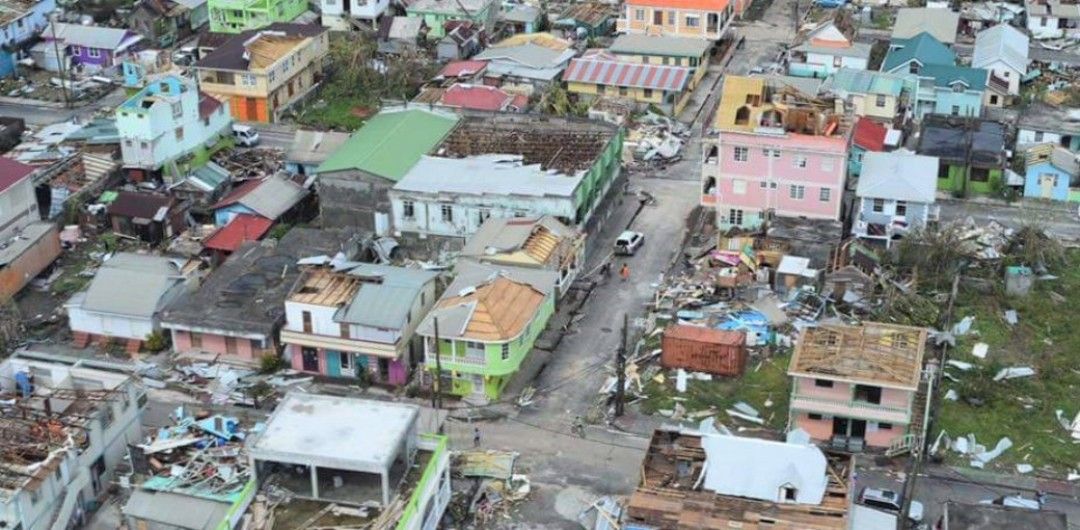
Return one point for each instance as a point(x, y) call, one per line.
point(701, 349)
point(602, 70)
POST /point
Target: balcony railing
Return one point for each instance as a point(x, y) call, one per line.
point(855, 408)
point(998, 83)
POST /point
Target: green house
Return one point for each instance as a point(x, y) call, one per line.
point(436, 13)
point(235, 16)
point(485, 325)
point(971, 152)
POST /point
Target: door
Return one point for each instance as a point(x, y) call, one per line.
point(252, 105)
point(1046, 185)
point(839, 426)
point(309, 358)
point(230, 345)
point(858, 429)
point(658, 17)
point(384, 369)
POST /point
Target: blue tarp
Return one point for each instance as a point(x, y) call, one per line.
point(750, 321)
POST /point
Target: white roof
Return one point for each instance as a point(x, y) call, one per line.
point(492, 174)
point(939, 23)
point(898, 176)
point(757, 469)
point(1001, 43)
point(795, 265)
point(91, 36)
point(866, 518)
point(332, 431)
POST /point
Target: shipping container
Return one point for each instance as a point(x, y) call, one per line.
point(700, 349)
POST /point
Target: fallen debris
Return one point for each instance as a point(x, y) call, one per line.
point(1014, 372)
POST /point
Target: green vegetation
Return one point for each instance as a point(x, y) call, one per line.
point(271, 363)
point(156, 341)
point(1045, 339)
point(358, 82)
point(765, 381)
point(279, 231)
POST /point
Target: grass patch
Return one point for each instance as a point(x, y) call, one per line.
point(764, 381)
point(336, 114)
point(1022, 409)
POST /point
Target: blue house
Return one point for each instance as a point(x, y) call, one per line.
point(19, 23)
point(944, 87)
point(1052, 173)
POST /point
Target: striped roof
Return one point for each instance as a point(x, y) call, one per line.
point(604, 69)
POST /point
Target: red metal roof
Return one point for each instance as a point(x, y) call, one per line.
point(869, 134)
point(463, 68)
point(237, 193)
point(703, 334)
point(207, 104)
point(605, 69)
point(12, 172)
point(476, 97)
point(243, 227)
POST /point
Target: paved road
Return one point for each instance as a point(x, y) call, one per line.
point(1061, 222)
point(274, 135)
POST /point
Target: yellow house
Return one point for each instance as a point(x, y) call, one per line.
point(700, 19)
point(599, 73)
point(668, 51)
point(262, 73)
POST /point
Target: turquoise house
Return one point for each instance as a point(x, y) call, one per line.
point(1052, 173)
point(944, 87)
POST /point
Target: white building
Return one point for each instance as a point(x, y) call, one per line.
point(22, 21)
point(89, 414)
point(1052, 19)
point(345, 15)
point(357, 452)
point(1003, 50)
point(125, 299)
point(452, 197)
point(895, 195)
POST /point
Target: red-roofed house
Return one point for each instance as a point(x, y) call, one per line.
point(243, 227)
point(598, 73)
point(867, 136)
point(703, 19)
point(463, 70)
point(27, 244)
point(482, 97)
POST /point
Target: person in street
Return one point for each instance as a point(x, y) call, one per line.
point(624, 272)
point(476, 437)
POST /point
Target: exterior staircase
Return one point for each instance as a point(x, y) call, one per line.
point(914, 437)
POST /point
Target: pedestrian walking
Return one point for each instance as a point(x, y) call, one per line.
point(624, 272)
point(476, 437)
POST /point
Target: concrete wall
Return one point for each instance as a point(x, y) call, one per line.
point(469, 211)
point(18, 208)
point(642, 18)
point(246, 349)
point(150, 137)
point(352, 198)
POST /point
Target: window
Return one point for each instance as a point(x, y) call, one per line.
point(823, 383)
point(93, 52)
point(482, 215)
point(913, 67)
point(309, 359)
point(879, 101)
point(958, 87)
point(129, 143)
point(505, 351)
point(796, 191)
point(247, 80)
point(179, 134)
point(742, 154)
point(879, 205)
point(306, 316)
point(837, 61)
point(955, 110)
point(671, 18)
point(600, 89)
point(901, 208)
point(196, 340)
point(346, 361)
point(622, 91)
point(658, 17)
point(735, 217)
point(763, 184)
point(788, 493)
point(272, 75)
point(693, 22)
point(869, 394)
point(177, 110)
point(799, 161)
point(447, 211)
point(59, 474)
point(639, 14)
point(824, 194)
point(774, 153)
point(344, 328)
point(814, 417)
point(666, 61)
point(884, 426)
point(647, 93)
point(772, 185)
point(993, 100)
point(980, 174)
point(1038, 136)
point(408, 209)
point(738, 187)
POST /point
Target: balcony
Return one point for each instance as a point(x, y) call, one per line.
point(997, 83)
point(851, 409)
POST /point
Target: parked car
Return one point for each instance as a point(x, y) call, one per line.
point(891, 501)
point(245, 135)
point(628, 242)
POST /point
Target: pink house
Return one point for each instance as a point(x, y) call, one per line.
point(771, 154)
point(856, 386)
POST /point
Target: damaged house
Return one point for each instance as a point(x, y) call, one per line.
point(65, 429)
point(150, 217)
point(711, 481)
point(507, 166)
point(774, 151)
point(272, 198)
point(239, 309)
point(827, 47)
point(356, 453)
point(543, 243)
point(353, 183)
point(857, 387)
point(895, 195)
point(357, 320)
point(28, 245)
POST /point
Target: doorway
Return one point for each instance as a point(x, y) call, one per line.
point(309, 358)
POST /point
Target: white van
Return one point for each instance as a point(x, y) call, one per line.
point(245, 135)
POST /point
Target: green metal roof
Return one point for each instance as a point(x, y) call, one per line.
point(866, 82)
point(922, 47)
point(391, 142)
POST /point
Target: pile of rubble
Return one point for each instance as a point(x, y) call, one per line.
point(494, 489)
point(655, 139)
point(245, 164)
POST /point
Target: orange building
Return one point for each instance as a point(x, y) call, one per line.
point(703, 19)
point(262, 73)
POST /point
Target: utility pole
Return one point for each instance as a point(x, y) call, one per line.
point(436, 396)
point(620, 368)
point(59, 62)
